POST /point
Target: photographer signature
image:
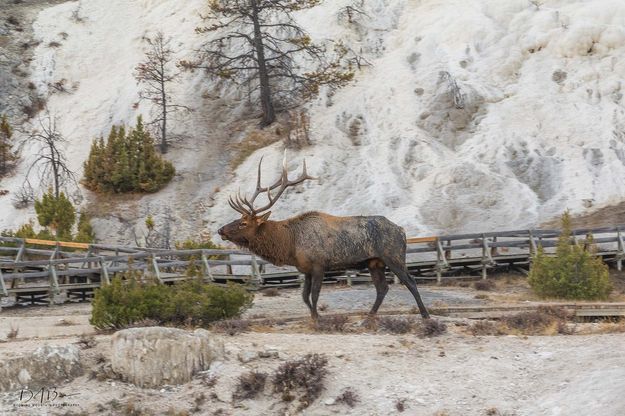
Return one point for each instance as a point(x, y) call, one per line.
point(41, 397)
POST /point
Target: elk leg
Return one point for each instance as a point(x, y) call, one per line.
point(402, 274)
point(317, 279)
point(381, 286)
point(306, 290)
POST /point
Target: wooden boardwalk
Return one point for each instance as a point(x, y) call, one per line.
point(37, 271)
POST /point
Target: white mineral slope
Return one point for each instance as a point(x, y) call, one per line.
point(541, 128)
point(537, 124)
point(100, 45)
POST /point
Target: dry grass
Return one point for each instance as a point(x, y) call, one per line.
point(271, 292)
point(250, 385)
point(400, 405)
point(484, 328)
point(305, 375)
point(531, 323)
point(348, 397)
point(231, 326)
point(332, 323)
point(431, 328)
point(256, 139)
point(547, 320)
point(485, 285)
point(86, 341)
point(396, 325)
point(12, 334)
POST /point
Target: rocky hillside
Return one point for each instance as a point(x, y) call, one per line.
point(472, 115)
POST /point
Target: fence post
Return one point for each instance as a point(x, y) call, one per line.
point(55, 252)
point(207, 267)
point(257, 280)
point(486, 256)
point(533, 247)
point(157, 272)
point(20, 253)
point(619, 254)
point(55, 282)
point(229, 266)
point(441, 261)
point(3, 288)
point(105, 272)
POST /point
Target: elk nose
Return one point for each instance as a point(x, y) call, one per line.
point(220, 231)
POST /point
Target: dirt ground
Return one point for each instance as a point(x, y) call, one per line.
point(456, 373)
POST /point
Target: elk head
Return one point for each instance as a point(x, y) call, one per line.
point(243, 230)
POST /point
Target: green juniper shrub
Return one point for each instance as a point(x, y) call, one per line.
point(56, 213)
point(126, 162)
point(127, 300)
point(574, 272)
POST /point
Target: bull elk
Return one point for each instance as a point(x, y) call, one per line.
point(315, 242)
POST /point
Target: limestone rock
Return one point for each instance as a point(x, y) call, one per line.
point(155, 356)
point(46, 366)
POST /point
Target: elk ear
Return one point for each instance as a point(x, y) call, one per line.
point(263, 217)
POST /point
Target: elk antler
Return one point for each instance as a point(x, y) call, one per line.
point(246, 207)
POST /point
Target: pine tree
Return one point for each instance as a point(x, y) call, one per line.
point(85, 232)
point(7, 156)
point(56, 213)
point(128, 162)
point(257, 44)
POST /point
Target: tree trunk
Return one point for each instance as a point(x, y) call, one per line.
point(164, 110)
point(269, 115)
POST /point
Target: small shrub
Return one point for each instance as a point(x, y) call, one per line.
point(12, 334)
point(86, 342)
point(348, 397)
point(533, 322)
point(432, 328)
point(334, 323)
point(231, 326)
point(271, 292)
point(12, 20)
point(54, 44)
point(23, 197)
point(400, 405)
point(396, 325)
point(126, 162)
point(564, 329)
point(485, 285)
point(484, 328)
point(573, 273)
point(190, 302)
point(250, 384)
point(306, 374)
point(36, 105)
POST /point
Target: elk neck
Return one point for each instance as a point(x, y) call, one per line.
point(274, 242)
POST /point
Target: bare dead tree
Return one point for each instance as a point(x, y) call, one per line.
point(155, 73)
point(353, 11)
point(24, 196)
point(50, 160)
point(260, 47)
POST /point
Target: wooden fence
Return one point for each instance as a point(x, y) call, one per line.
point(34, 271)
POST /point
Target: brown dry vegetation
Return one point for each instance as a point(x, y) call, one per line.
point(255, 140)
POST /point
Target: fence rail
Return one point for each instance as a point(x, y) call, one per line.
point(36, 270)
